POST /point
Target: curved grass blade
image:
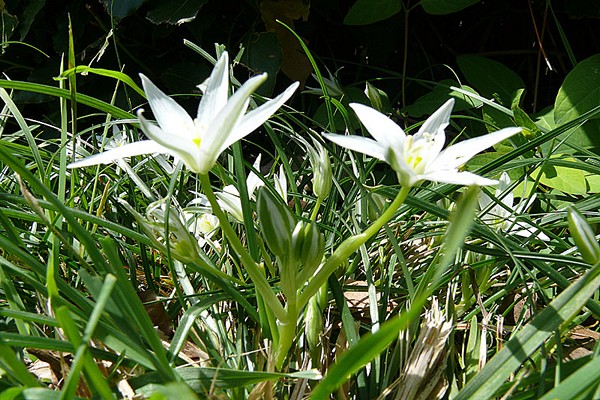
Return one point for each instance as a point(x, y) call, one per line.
point(564, 307)
point(120, 76)
point(57, 92)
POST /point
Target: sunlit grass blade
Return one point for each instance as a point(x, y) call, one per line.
point(372, 344)
point(564, 307)
point(57, 92)
point(120, 76)
point(202, 379)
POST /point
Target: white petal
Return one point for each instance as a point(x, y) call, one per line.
point(435, 125)
point(224, 124)
point(215, 92)
point(258, 116)
point(253, 181)
point(439, 120)
point(507, 199)
point(526, 230)
point(281, 183)
point(170, 116)
point(184, 149)
point(128, 150)
point(229, 200)
point(360, 144)
point(458, 154)
point(457, 178)
point(383, 129)
point(484, 200)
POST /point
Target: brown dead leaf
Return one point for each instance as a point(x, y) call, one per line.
point(294, 62)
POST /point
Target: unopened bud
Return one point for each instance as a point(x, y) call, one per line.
point(276, 222)
point(308, 244)
point(584, 237)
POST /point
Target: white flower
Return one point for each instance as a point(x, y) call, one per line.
point(321, 166)
point(420, 156)
point(502, 216)
point(229, 198)
point(280, 183)
point(221, 121)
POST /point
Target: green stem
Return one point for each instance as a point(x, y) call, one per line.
point(260, 281)
point(348, 247)
point(287, 333)
point(315, 211)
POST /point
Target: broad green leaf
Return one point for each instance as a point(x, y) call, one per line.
point(580, 92)
point(427, 104)
point(490, 78)
point(441, 7)
point(263, 53)
point(531, 130)
point(175, 12)
point(517, 350)
point(32, 8)
point(365, 12)
point(567, 180)
point(593, 181)
point(122, 8)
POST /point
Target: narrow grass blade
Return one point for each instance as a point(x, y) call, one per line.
point(485, 384)
point(203, 379)
point(582, 380)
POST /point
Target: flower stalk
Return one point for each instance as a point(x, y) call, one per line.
point(259, 279)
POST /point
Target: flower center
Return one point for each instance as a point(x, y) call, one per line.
point(417, 152)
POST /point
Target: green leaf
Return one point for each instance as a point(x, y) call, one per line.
point(579, 93)
point(122, 8)
point(490, 77)
point(32, 8)
point(567, 180)
point(365, 12)
point(175, 12)
point(531, 130)
point(441, 7)
point(263, 54)
point(593, 181)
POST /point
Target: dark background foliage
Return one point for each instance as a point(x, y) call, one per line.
point(147, 37)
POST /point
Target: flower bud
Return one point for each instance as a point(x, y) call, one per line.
point(276, 222)
point(308, 245)
point(584, 237)
point(321, 166)
point(182, 243)
point(313, 326)
point(378, 98)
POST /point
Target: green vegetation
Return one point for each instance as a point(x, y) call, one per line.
point(415, 219)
